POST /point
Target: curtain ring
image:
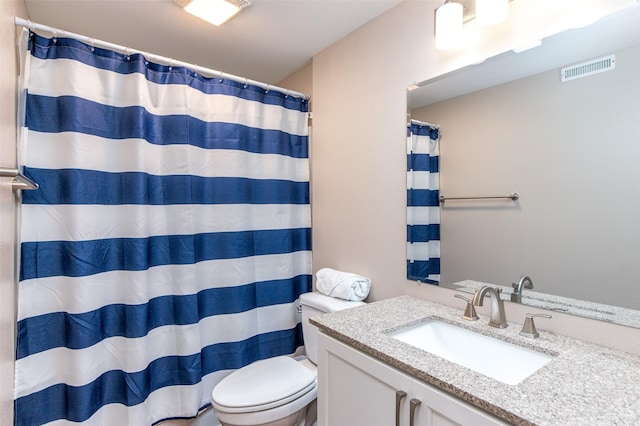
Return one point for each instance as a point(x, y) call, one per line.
point(127, 52)
point(268, 88)
point(195, 71)
point(246, 83)
point(286, 95)
point(221, 77)
point(170, 64)
point(92, 43)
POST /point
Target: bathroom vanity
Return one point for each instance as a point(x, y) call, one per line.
point(360, 390)
point(367, 376)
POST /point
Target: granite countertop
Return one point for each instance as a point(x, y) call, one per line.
point(584, 384)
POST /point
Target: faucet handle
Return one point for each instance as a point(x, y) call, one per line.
point(529, 327)
point(470, 310)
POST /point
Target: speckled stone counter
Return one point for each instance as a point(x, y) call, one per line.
point(584, 384)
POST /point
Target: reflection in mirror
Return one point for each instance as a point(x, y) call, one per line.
point(571, 151)
point(423, 212)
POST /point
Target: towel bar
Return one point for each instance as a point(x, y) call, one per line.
point(513, 197)
point(19, 181)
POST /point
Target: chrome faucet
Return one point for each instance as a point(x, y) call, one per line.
point(496, 317)
point(524, 282)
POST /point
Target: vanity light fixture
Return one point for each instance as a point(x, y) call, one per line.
point(448, 25)
point(490, 12)
point(450, 18)
point(216, 12)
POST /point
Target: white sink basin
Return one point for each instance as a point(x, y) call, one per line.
point(494, 358)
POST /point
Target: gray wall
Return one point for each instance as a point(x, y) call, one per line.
point(571, 150)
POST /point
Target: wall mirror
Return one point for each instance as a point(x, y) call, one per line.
point(571, 150)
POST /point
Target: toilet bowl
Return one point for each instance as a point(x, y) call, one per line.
point(278, 391)
point(274, 392)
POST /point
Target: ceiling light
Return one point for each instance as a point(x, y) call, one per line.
point(449, 19)
point(489, 12)
point(216, 12)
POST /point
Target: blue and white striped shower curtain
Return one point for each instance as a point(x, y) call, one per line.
point(423, 205)
point(168, 242)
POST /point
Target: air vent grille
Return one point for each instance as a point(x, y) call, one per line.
point(594, 66)
point(240, 3)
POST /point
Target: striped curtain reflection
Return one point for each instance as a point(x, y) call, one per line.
point(423, 206)
point(168, 242)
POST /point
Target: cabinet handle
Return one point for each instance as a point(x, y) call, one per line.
point(399, 397)
point(413, 404)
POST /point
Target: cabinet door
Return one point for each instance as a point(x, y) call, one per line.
point(355, 390)
point(438, 408)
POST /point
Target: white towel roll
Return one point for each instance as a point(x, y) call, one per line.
point(343, 285)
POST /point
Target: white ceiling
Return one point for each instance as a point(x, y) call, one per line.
point(267, 41)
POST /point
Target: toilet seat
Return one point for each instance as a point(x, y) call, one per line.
point(263, 385)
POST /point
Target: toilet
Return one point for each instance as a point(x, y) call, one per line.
point(279, 391)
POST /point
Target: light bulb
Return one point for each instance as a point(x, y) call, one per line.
point(449, 19)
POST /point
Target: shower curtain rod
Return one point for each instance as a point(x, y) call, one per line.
point(156, 58)
point(424, 123)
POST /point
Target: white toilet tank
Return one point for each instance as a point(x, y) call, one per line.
point(314, 304)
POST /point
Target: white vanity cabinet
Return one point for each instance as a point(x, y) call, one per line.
point(355, 389)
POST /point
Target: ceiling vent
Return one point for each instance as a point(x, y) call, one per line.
point(594, 66)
